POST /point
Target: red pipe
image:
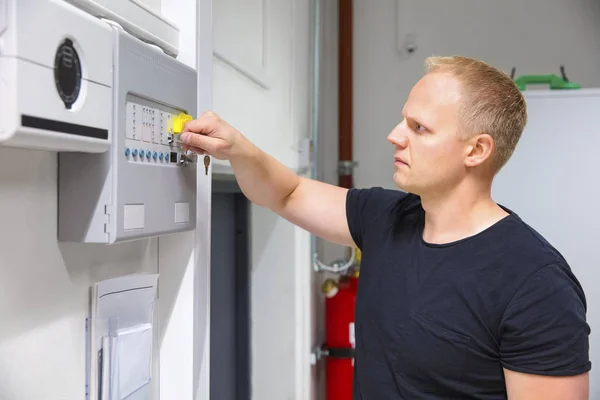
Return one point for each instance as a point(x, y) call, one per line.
point(345, 92)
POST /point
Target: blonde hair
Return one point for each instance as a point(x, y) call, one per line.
point(493, 104)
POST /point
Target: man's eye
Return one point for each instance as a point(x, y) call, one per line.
point(419, 127)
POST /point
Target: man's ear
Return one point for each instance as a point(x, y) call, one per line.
point(480, 149)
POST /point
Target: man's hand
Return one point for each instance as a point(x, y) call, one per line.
point(210, 134)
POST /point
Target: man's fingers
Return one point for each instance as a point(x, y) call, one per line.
point(204, 125)
point(198, 126)
point(200, 141)
point(197, 134)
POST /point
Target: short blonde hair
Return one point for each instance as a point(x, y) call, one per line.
point(493, 103)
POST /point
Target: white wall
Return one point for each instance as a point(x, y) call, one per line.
point(44, 285)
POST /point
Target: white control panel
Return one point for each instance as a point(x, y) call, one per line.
point(55, 77)
point(145, 185)
point(148, 134)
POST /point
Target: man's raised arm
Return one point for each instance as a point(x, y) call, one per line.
point(318, 207)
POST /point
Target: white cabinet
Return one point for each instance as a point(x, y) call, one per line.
point(551, 182)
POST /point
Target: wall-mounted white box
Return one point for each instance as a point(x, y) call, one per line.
point(141, 18)
point(55, 77)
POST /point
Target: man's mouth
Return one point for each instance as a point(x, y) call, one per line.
point(400, 162)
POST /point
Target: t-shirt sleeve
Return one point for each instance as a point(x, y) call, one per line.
point(364, 206)
point(544, 329)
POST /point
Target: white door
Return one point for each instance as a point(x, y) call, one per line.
point(262, 86)
point(261, 71)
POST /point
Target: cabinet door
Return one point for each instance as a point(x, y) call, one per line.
point(261, 72)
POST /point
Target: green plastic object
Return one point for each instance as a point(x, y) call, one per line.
point(555, 82)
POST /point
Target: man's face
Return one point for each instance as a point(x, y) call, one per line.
point(429, 157)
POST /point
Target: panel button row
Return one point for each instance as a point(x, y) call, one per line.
point(147, 154)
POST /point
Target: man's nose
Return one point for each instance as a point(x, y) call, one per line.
point(397, 138)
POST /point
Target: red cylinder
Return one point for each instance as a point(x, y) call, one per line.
point(339, 339)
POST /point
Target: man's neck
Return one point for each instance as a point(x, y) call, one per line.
point(462, 213)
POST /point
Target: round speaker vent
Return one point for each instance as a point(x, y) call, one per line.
point(67, 73)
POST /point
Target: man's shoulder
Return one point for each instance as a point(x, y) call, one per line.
point(526, 259)
point(521, 241)
point(371, 210)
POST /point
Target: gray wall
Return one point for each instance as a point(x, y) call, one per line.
point(535, 36)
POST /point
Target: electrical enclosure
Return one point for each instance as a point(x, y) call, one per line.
point(145, 185)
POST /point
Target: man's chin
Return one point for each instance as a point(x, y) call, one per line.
point(402, 184)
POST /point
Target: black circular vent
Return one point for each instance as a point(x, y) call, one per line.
point(67, 73)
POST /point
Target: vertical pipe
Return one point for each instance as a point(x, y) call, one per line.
point(345, 93)
point(316, 89)
point(315, 171)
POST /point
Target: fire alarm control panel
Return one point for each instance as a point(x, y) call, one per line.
point(145, 185)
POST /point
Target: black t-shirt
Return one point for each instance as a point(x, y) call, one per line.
point(442, 321)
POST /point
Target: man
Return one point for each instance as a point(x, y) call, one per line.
point(458, 298)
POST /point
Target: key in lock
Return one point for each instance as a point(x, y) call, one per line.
point(206, 163)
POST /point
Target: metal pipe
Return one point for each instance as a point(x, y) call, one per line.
point(339, 266)
point(316, 90)
point(345, 92)
point(315, 171)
